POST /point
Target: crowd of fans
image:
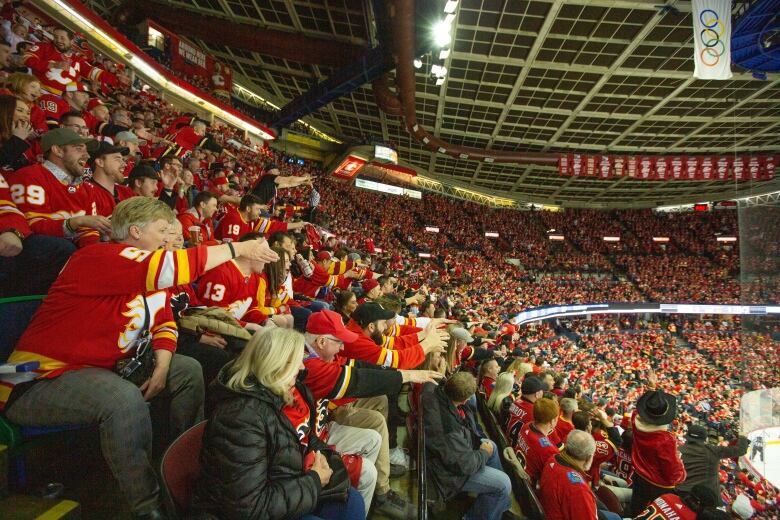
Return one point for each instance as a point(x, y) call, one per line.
point(200, 243)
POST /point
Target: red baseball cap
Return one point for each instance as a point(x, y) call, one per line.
point(220, 181)
point(329, 323)
point(323, 255)
point(369, 284)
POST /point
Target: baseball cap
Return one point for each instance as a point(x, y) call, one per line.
point(531, 385)
point(143, 171)
point(130, 137)
point(62, 137)
point(93, 103)
point(104, 148)
point(369, 284)
point(323, 255)
point(330, 323)
point(461, 334)
point(369, 313)
point(696, 432)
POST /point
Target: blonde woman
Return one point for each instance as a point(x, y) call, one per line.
point(28, 88)
point(502, 397)
point(259, 411)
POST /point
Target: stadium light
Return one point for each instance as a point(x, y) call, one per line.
point(491, 235)
point(726, 239)
point(441, 33)
point(450, 6)
point(611, 239)
point(417, 63)
point(431, 229)
point(660, 239)
point(439, 71)
point(555, 237)
point(424, 255)
point(440, 81)
point(444, 54)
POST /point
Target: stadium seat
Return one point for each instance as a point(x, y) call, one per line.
point(609, 499)
point(179, 466)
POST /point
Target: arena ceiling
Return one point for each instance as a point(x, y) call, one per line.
point(587, 76)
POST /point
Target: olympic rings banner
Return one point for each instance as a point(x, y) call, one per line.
point(670, 168)
point(712, 39)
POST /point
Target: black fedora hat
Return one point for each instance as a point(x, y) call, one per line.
point(657, 407)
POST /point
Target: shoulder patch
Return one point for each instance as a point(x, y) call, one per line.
point(574, 477)
point(544, 442)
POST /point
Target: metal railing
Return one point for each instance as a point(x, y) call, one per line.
point(422, 466)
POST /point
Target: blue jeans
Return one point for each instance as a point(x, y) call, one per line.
point(353, 509)
point(493, 490)
point(609, 515)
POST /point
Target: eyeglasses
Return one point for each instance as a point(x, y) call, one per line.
point(80, 128)
point(335, 340)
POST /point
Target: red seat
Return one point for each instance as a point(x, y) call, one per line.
point(180, 466)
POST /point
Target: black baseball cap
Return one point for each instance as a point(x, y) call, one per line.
point(143, 171)
point(531, 385)
point(369, 313)
point(103, 148)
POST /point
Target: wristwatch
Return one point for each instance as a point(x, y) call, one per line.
point(15, 231)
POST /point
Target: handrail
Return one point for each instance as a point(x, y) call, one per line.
point(422, 466)
point(27, 298)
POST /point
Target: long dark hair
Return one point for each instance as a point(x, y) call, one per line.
point(7, 109)
point(274, 271)
point(342, 299)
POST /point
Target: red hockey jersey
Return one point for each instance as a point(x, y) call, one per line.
point(227, 287)
point(365, 349)
point(54, 80)
point(233, 226)
point(535, 449)
point(10, 216)
point(191, 218)
point(268, 227)
point(105, 201)
point(47, 202)
point(564, 493)
point(320, 278)
point(53, 108)
point(667, 507)
point(520, 412)
point(108, 281)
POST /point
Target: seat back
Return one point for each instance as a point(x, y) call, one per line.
point(609, 499)
point(15, 314)
point(180, 466)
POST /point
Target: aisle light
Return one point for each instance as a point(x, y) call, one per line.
point(660, 239)
point(611, 239)
point(491, 235)
point(727, 239)
point(424, 255)
point(379, 250)
point(555, 237)
point(431, 229)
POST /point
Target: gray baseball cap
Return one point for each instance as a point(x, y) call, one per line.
point(129, 137)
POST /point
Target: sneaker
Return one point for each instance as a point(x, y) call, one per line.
point(399, 457)
point(397, 470)
point(393, 506)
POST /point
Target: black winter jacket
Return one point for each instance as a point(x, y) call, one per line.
point(702, 462)
point(451, 443)
point(252, 460)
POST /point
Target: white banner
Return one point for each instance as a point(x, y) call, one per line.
point(712, 39)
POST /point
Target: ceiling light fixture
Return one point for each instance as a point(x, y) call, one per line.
point(441, 33)
point(450, 6)
point(417, 63)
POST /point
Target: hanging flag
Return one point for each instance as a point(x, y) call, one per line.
point(712, 39)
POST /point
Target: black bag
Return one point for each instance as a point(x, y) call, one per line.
point(337, 489)
point(138, 369)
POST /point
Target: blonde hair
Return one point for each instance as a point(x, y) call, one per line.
point(520, 368)
point(18, 81)
point(271, 358)
point(505, 383)
point(138, 211)
point(452, 347)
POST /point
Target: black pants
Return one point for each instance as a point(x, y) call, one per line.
point(211, 359)
point(34, 269)
point(643, 492)
point(757, 450)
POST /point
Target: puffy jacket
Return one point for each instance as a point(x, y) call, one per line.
point(452, 443)
point(252, 460)
point(702, 461)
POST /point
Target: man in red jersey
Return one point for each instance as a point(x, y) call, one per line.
point(671, 506)
point(52, 196)
point(238, 222)
point(356, 392)
point(108, 166)
point(123, 287)
point(13, 226)
point(563, 487)
point(533, 446)
point(522, 410)
point(197, 221)
point(56, 65)
point(369, 321)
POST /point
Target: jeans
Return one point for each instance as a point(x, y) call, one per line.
point(493, 488)
point(34, 269)
point(352, 509)
point(98, 396)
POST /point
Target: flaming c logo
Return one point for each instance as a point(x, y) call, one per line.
point(136, 314)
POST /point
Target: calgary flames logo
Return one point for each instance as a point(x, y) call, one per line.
point(136, 312)
point(239, 307)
